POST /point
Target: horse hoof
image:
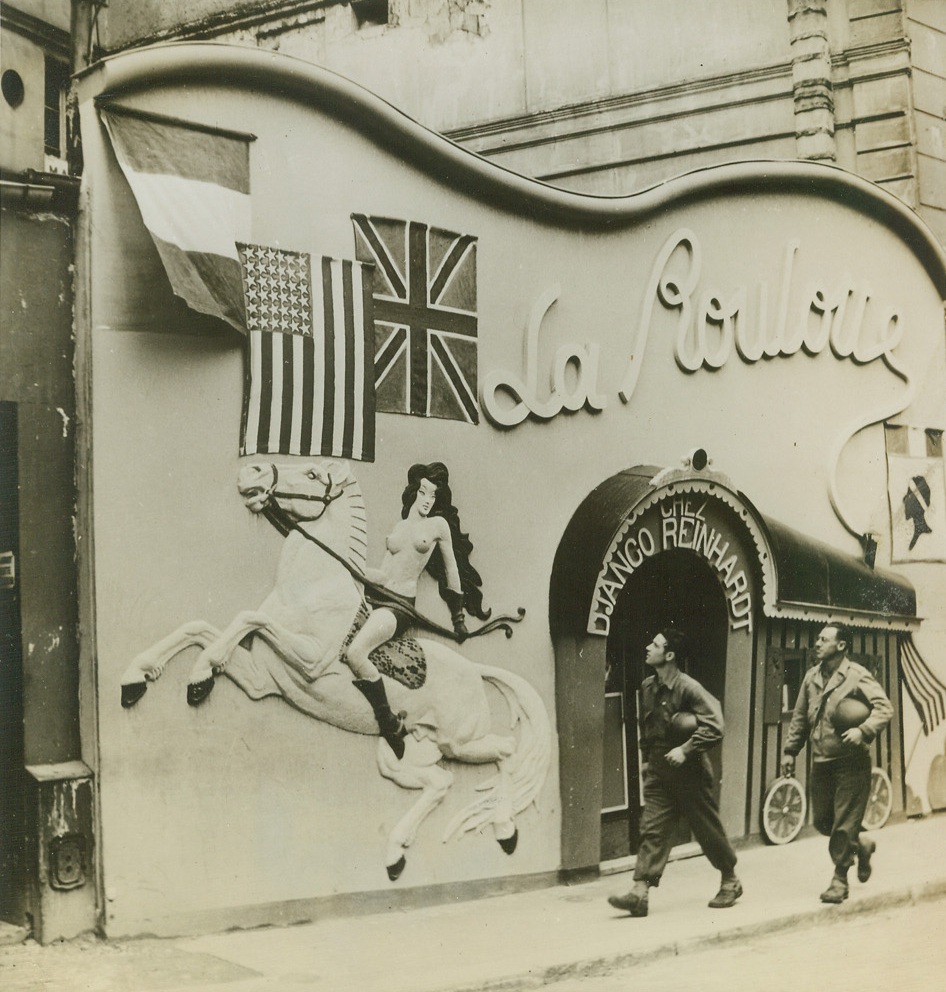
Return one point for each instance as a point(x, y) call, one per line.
point(132, 692)
point(197, 692)
point(394, 871)
point(508, 844)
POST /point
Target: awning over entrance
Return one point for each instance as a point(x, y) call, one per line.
point(801, 577)
point(813, 579)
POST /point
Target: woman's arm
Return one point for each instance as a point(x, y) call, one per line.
point(444, 541)
point(454, 591)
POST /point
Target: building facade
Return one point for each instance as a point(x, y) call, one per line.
point(688, 400)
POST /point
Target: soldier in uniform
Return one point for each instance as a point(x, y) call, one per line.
point(841, 764)
point(678, 777)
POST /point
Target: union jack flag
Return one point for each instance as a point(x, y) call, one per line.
point(424, 317)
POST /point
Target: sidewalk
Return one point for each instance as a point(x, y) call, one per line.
point(503, 943)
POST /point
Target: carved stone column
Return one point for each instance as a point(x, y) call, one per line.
point(811, 79)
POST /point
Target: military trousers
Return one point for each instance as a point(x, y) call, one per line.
point(839, 791)
point(672, 794)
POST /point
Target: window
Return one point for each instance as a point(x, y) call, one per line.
point(785, 668)
point(57, 87)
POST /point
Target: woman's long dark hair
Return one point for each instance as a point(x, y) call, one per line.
point(470, 581)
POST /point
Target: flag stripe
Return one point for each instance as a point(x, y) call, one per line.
point(926, 684)
point(328, 401)
point(364, 330)
point(430, 318)
point(348, 421)
point(389, 353)
point(417, 307)
point(275, 400)
point(251, 404)
point(177, 150)
point(448, 268)
point(340, 405)
point(286, 393)
point(308, 393)
point(934, 443)
point(266, 397)
point(461, 389)
point(896, 439)
point(208, 284)
point(916, 442)
point(926, 692)
point(921, 708)
point(381, 257)
point(204, 217)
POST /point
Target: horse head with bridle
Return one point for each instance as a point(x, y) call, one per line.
point(307, 619)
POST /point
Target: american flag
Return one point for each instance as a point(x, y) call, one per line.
point(308, 389)
point(425, 319)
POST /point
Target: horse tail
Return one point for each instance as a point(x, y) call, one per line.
point(523, 773)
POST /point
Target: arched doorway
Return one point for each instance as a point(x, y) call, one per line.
point(674, 589)
point(647, 548)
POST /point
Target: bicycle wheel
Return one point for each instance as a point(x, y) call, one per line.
point(880, 800)
point(784, 808)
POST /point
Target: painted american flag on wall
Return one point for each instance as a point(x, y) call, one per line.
point(308, 388)
point(425, 320)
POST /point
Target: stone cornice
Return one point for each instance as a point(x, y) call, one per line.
point(52, 39)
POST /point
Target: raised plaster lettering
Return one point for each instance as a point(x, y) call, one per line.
point(682, 525)
point(714, 322)
point(583, 358)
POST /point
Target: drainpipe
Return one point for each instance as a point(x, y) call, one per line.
point(811, 80)
point(82, 23)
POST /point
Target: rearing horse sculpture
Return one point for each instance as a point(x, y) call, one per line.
point(306, 621)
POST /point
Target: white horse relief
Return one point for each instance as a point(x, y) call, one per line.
point(307, 620)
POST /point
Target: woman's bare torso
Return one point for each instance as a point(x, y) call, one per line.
point(409, 547)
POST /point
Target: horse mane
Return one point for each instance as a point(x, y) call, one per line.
point(342, 526)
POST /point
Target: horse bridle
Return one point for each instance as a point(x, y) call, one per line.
point(326, 499)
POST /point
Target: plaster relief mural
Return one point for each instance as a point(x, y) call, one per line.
point(330, 615)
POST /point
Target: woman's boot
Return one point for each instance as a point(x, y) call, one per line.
point(390, 725)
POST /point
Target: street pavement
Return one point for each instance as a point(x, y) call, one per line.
point(502, 943)
point(842, 952)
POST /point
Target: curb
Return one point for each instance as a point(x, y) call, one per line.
point(597, 967)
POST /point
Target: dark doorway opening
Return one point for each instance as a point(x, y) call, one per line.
point(674, 589)
point(12, 781)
